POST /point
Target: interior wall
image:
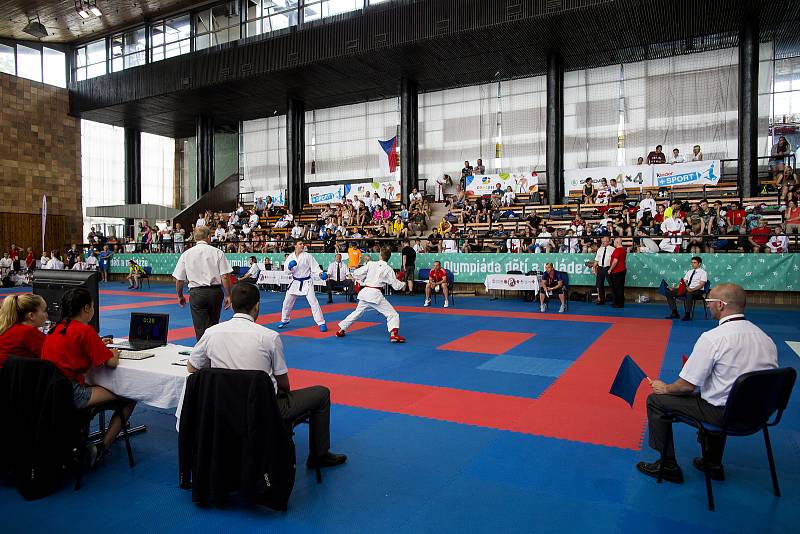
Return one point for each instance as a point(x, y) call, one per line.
point(40, 154)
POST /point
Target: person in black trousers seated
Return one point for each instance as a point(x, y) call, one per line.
point(337, 279)
point(241, 343)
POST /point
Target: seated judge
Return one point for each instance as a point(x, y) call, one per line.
point(241, 343)
point(695, 280)
point(21, 317)
point(552, 284)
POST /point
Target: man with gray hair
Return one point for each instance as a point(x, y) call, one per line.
point(735, 347)
point(205, 269)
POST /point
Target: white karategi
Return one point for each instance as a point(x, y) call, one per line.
point(373, 276)
point(672, 227)
point(302, 285)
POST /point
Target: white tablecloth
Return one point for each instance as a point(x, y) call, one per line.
point(513, 282)
point(154, 381)
point(281, 278)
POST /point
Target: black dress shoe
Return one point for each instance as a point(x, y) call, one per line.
point(673, 315)
point(330, 301)
point(672, 473)
point(686, 317)
point(328, 459)
point(716, 471)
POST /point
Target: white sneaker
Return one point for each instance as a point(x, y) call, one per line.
point(427, 302)
point(446, 304)
point(542, 308)
point(562, 309)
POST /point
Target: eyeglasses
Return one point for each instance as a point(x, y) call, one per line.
point(717, 300)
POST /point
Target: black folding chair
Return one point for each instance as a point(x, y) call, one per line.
point(702, 296)
point(754, 397)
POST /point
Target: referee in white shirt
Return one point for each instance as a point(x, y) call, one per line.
point(337, 278)
point(206, 269)
point(602, 262)
point(719, 357)
point(695, 279)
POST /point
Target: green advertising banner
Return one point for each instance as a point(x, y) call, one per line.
point(755, 272)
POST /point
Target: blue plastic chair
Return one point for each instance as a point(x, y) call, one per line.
point(703, 296)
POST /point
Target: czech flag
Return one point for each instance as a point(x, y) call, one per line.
point(389, 146)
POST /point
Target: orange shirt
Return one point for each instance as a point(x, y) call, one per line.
point(353, 258)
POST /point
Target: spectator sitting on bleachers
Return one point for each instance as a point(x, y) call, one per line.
point(791, 217)
point(499, 236)
point(697, 155)
point(449, 244)
point(657, 156)
point(779, 242)
point(618, 193)
point(433, 245)
point(759, 237)
point(672, 228)
point(571, 244)
point(509, 197)
point(544, 241)
point(787, 185)
point(403, 213)
point(677, 157)
point(484, 207)
point(471, 242)
point(589, 192)
point(284, 221)
point(648, 203)
point(80, 264)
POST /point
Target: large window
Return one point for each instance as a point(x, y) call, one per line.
point(128, 49)
point(216, 25)
point(342, 142)
point(263, 154)
point(779, 94)
point(158, 170)
point(171, 37)
point(102, 170)
point(7, 62)
point(54, 67)
point(29, 63)
point(265, 16)
point(90, 60)
point(317, 9)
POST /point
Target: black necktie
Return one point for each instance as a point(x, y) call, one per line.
point(603, 261)
point(689, 285)
point(338, 272)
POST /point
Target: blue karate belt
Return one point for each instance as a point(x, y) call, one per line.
point(302, 281)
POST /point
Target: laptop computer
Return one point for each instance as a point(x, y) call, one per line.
point(147, 331)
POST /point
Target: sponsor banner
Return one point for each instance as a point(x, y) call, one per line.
point(390, 190)
point(484, 184)
point(278, 196)
point(692, 173)
point(755, 272)
point(334, 194)
point(513, 282)
point(327, 194)
point(629, 176)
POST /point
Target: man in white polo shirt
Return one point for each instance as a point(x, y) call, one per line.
point(242, 344)
point(206, 270)
point(719, 357)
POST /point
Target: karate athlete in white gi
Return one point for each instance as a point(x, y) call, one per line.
point(373, 276)
point(672, 227)
point(301, 266)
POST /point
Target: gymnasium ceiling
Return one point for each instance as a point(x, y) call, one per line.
point(440, 43)
point(64, 25)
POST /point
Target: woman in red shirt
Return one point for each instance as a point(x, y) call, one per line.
point(75, 348)
point(21, 317)
point(617, 272)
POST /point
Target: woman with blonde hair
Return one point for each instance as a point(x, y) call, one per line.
point(21, 317)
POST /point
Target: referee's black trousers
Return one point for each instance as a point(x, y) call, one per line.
point(206, 305)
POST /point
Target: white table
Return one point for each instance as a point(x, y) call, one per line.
point(155, 381)
point(282, 278)
point(512, 282)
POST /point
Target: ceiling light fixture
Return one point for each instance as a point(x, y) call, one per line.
point(36, 28)
point(80, 9)
point(94, 9)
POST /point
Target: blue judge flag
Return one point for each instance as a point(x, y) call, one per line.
point(629, 377)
